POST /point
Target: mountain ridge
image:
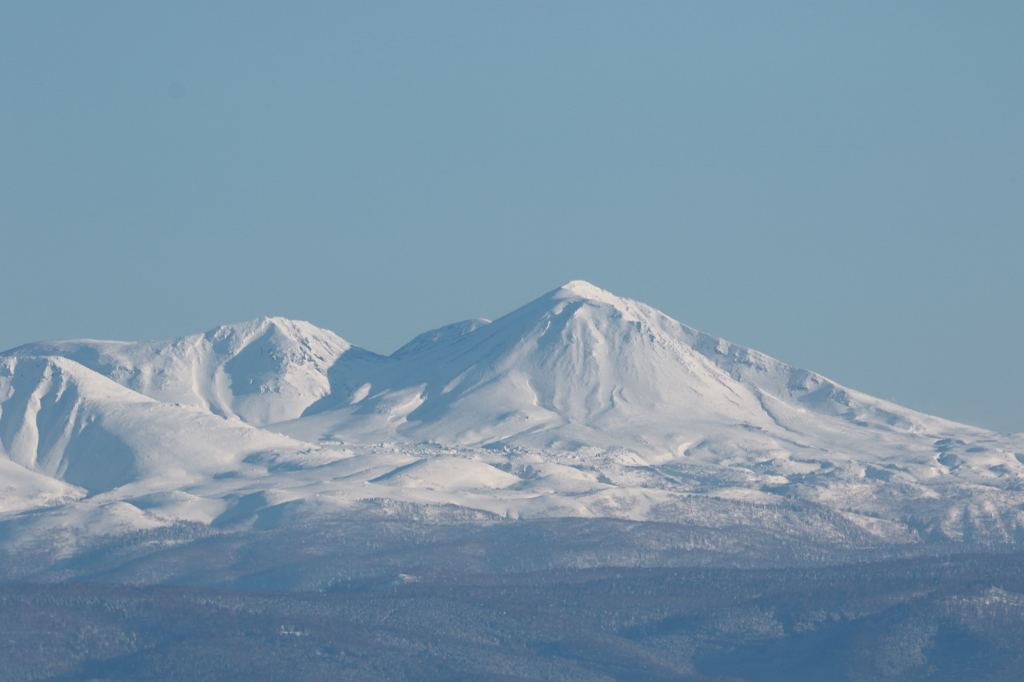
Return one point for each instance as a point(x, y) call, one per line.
point(231, 370)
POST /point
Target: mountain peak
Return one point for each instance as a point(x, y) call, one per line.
point(295, 329)
point(580, 289)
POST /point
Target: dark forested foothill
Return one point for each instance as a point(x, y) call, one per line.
point(950, 618)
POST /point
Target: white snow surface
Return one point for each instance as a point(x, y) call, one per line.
point(580, 403)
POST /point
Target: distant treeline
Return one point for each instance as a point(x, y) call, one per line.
point(957, 618)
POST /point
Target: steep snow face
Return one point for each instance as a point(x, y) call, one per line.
point(262, 371)
point(89, 435)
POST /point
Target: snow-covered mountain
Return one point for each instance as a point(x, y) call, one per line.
point(579, 404)
point(582, 367)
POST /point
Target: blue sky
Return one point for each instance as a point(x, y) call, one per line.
point(839, 185)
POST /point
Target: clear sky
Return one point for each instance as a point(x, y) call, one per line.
point(839, 185)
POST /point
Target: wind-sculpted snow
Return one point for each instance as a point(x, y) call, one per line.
point(578, 405)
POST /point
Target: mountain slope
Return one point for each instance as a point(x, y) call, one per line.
point(63, 421)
